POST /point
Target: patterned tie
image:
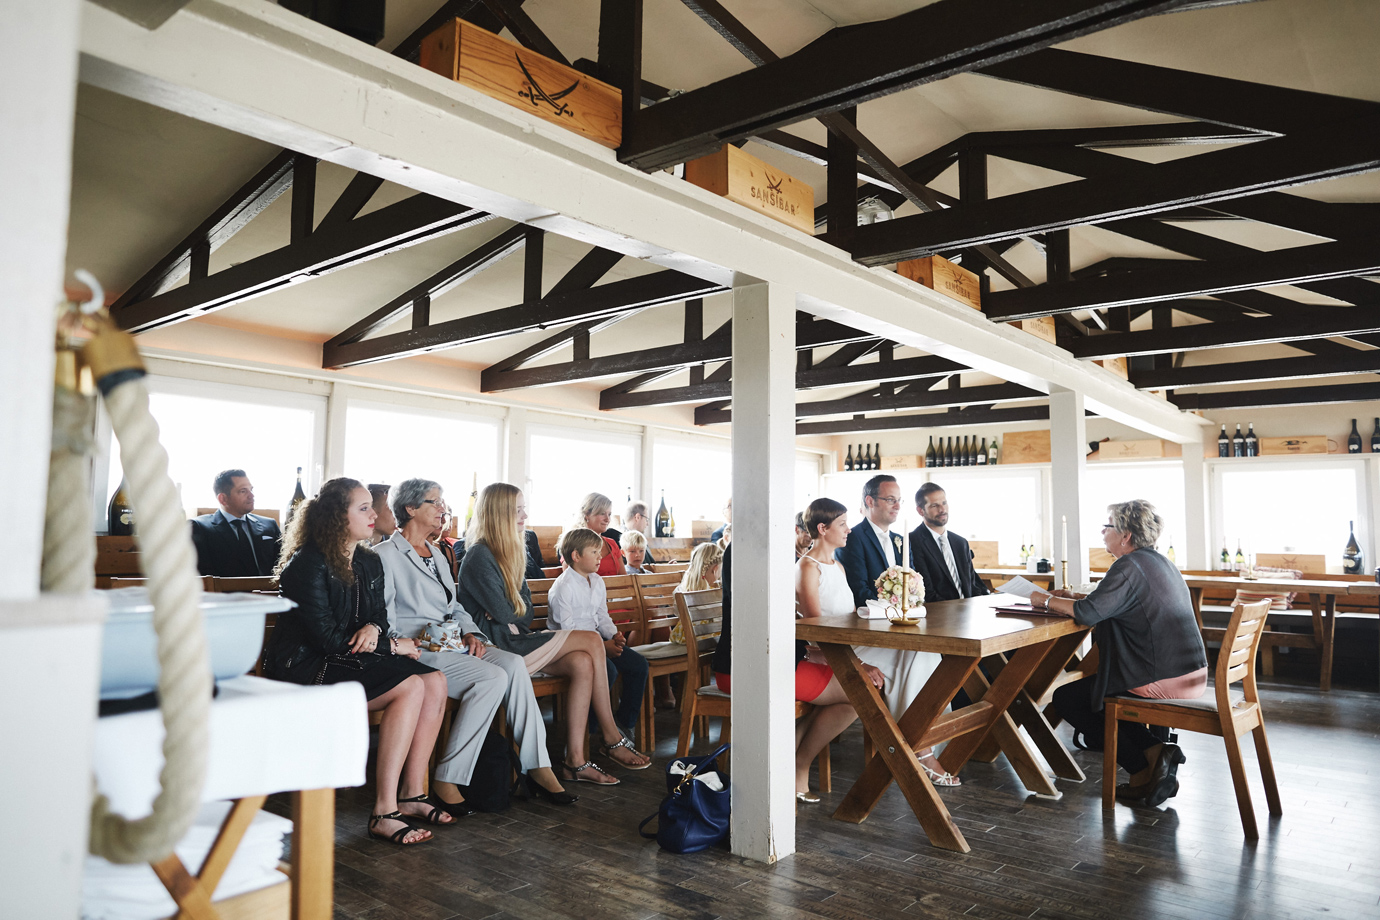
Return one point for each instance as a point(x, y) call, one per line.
point(246, 544)
point(949, 561)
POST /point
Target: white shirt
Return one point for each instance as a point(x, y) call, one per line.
point(884, 537)
point(939, 535)
point(579, 602)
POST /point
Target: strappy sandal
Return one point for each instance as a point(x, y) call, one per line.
point(575, 772)
point(937, 778)
point(608, 749)
point(398, 835)
point(433, 816)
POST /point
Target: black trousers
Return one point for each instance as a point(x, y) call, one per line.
point(1075, 703)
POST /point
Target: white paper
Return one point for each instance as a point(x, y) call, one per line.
point(873, 610)
point(1020, 587)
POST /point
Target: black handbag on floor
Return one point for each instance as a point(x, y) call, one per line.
point(491, 784)
point(693, 816)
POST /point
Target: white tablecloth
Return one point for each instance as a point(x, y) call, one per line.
point(266, 736)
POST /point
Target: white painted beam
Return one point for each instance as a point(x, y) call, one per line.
point(1068, 441)
point(763, 584)
point(251, 67)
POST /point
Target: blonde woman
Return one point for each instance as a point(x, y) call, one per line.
point(494, 591)
point(706, 564)
point(595, 513)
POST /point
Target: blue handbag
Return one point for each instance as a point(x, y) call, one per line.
point(693, 816)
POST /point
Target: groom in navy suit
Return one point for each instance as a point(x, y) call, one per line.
point(942, 557)
point(872, 548)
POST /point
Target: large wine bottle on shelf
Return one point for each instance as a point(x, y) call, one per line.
point(120, 514)
point(877, 457)
point(298, 496)
point(1225, 564)
point(1375, 438)
point(1240, 557)
point(982, 453)
point(1223, 443)
point(1252, 442)
point(1351, 556)
point(992, 452)
point(1353, 441)
point(949, 453)
point(1238, 443)
point(848, 461)
point(663, 517)
point(929, 452)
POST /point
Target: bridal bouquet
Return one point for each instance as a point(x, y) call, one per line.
point(889, 586)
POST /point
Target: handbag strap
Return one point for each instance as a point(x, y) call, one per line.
point(648, 820)
point(692, 770)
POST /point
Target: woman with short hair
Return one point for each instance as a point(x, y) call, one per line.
point(595, 513)
point(1149, 645)
point(338, 632)
point(493, 589)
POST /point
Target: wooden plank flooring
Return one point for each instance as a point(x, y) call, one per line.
point(1063, 860)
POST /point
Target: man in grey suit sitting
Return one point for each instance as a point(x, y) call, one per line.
point(232, 542)
point(419, 594)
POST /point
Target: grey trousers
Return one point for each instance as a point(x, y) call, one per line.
point(481, 684)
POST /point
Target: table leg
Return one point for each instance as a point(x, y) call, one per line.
point(1329, 634)
point(1063, 659)
point(192, 894)
point(1001, 694)
point(313, 854)
point(895, 756)
point(1196, 596)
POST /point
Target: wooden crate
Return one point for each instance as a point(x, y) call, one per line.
point(702, 530)
point(939, 274)
point(984, 553)
point(902, 462)
point(520, 77)
point(1303, 444)
point(1025, 447)
point(743, 178)
point(1042, 327)
point(1300, 561)
point(1099, 559)
point(1115, 365)
point(1150, 448)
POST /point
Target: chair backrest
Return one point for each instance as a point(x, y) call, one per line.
point(662, 568)
point(546, 540)
point(656, 598)
point(621, 601)
point(1236, 659)
point(702, 616)
point(259, 584)
point(261, 512)
point(552, 571)
point(119, 582)
point(540, 588)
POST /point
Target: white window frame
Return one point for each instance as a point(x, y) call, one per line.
point(590, 432)
point(431, 407)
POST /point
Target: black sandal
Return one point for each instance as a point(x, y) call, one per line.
point(398, 835)
point(434, 816)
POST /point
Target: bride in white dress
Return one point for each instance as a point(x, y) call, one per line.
point(821, 589)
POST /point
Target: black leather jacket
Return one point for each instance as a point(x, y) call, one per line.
point(320, 625)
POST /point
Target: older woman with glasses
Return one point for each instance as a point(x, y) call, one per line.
point(1148, 642)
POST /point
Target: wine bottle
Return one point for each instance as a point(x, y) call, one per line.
point(1240, 556)
point(867, 458)
point(877, 456)
point(949, 453)
point(1223, 443)
point(1238, 443)
point(1226, 557)
point(982, 453)
point(1351, 556)
point(859, 464)
point(1353, 441)
point(1375, 438)
point(671, 522)
point(120, 514)
point(847, 463)
point(992, 452)
point(970, 451)
point(1252, 442)
point(298, 496)
point(1170, 555)
point(474, 497)
point(1025, 553)
point(929, 451)
point(962, 458)
point(663, 516)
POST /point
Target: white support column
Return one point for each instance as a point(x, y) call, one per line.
point(763, 823)
point(648, 476)
point(38, 69)
point(1196, 516)
point(1068, 438)
point(515, 453)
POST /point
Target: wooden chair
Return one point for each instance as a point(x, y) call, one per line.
point(662, 568)
point(701, 616)
point(257, 584)
point(657, 607)
point(117, 581)
point(1217, 715)
point(546, 686)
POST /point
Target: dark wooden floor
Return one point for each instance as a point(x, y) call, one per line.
point(1030, 858)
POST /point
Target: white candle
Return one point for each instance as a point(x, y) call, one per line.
point(905, 541)
point(1066, 539)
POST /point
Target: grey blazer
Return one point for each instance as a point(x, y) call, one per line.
point(414, 597)
point(482, 590)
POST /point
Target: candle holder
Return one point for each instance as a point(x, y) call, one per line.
point(904, 614)
point(1064, 574)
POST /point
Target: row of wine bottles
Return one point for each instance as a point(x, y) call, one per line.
point(1352, 559)
point(1247, 445)
point(665, 523)
point(1353, 441)
point(868, 461)
point(961, 454)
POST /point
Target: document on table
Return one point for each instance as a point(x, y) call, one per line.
point(1020, 587)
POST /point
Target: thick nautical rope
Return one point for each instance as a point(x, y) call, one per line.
point(69, 553)
point(184, 680)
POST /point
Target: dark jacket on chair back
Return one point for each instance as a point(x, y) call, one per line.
point(320, 625)
point(926, 558)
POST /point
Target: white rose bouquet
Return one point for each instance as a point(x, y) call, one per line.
point(889, 586)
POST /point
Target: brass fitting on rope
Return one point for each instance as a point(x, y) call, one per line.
point(110, 352)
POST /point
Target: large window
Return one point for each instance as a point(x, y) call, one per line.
point(1161, 484)
point(206, 428)
point(1288, 507)
point(565, 465)
point(695, 478)
point(386, 443)
point(1002, 504)
point(806, 480)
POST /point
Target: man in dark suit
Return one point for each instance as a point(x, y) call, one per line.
point(872, 548)
point(232, 542)
point(942, 558)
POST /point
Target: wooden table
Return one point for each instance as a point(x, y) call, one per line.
point(963, 632)
point(1322, 596)
point(989, 575)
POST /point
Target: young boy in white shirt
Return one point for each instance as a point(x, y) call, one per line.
point(577, 600)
